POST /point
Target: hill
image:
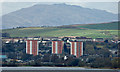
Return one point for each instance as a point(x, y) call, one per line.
point(100, 26)
point(55, 15)
point(89, 30)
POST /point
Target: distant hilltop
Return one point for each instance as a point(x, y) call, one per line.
point(55, 15)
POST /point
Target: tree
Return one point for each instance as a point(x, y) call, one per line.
point(5, 35)
point(106, 41)
point(101, 62)
point(26, 57)
point(116, 63)
point(81, 63)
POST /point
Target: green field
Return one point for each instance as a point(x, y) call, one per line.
point(107, 30)
point(102, 26)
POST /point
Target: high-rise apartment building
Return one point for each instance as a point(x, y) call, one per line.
point(57, 47)
point(32, 47)
point(76, 49)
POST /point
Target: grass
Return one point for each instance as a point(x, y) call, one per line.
point(100, 46)
point(93, 31)
point(57, 32)
point(103, 26)
point(31, 28)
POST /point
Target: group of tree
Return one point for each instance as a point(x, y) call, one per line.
point(98, 56)
point(6, 35)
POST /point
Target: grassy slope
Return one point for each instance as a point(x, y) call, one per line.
point(94, 31)
point(103, 26)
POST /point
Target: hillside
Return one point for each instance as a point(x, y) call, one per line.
point(55, 15)
point(100, 26)
point(88, 30)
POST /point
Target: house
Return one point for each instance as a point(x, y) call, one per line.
point(83, 39)
point(98, 40)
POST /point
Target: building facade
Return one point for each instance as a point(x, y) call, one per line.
point(76, 49)
point(57, 47)
point(32, 47)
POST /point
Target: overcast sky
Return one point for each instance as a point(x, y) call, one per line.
point(108, 5)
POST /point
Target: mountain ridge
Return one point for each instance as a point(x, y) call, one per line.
point(55, 15)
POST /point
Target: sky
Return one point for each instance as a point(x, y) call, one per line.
point(7, 6)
